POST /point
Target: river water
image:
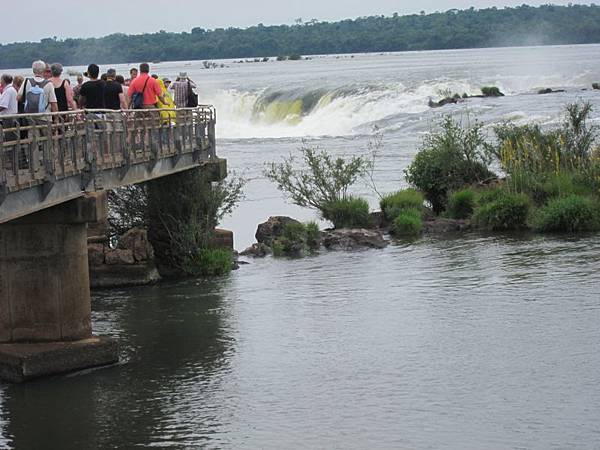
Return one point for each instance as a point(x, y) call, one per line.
point(465, 342)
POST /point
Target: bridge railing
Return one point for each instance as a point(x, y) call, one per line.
point(42, 148)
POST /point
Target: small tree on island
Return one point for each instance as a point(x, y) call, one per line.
point(319, 180)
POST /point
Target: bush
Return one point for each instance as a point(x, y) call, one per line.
point(491, 91)
point(461, 204)
point(297, 239)
point(349, 212)
point(568, 214)
point(208, 262)
point(506, 212)
point(317, 180)
point(408, 223)
point(393, 204)
point(447, 161)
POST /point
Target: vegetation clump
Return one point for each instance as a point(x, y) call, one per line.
point(408, 223)
point(208, 262)
point(322, 181)
point(491, 91)
point(505, 212)
point(393, 204)
point(297, 240)
point(349, 212)
point(448, 160)
point(573, 213)
point(461, 204)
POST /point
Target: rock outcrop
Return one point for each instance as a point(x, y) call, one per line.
point(353, 239)
point(270, 230)
point(130, 264)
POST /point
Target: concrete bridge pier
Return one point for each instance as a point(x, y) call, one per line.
point(45, 305)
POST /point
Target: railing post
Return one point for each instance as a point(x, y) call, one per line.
point(89, 173)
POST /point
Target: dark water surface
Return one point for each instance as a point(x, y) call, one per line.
point(468, 343)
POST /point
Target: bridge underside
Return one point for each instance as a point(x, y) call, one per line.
point(53, 173)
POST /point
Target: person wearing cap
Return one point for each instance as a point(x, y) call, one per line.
point(148, 86)
point(180, 89)
point(113, 92)
point(91, 95)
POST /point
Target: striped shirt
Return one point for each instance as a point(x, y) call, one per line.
point(180, 91)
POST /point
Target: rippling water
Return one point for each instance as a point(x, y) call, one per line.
point(466, 342)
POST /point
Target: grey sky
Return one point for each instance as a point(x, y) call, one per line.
point(81, 18)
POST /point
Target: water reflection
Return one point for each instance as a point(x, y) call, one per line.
point(175, 344)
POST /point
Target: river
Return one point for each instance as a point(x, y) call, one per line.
point(462, 342)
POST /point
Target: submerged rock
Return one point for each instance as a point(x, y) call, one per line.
point(352, 239)
point(270, 230)
point(443, 225)
point(257, 250)
point(549, 91)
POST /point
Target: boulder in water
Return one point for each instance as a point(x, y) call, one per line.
point(270, 230)
point(257, 250)
point(353, 239)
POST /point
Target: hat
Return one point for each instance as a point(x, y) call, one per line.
point(166, 80)
point(111, 73)
point(182, 74)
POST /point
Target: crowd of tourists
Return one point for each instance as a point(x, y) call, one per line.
point(49, 91)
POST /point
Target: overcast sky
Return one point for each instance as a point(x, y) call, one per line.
point(85, 18)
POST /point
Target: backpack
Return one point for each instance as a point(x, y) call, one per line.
point(35, 99)
point(137, 98)
point(192, 97)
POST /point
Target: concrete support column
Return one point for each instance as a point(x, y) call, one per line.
point(45, 295)
point(44, 283)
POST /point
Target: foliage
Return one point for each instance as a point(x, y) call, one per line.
point(573, 213)
point(182, 214)
point(531, 156)
point(461, 204)
point(471, 28)
point(393, 204)
point(408, 223)
point(297, 239)
point(319, 179)
point(349, 212)
point(208, 262)
point(449, 159)
point(506, 212)
point(127, 209)
point(491, 91)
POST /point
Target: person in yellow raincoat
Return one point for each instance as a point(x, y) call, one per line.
point(167, 116)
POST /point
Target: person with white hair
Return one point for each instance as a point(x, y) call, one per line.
point(38, 92)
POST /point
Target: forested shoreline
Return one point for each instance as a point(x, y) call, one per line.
point(453, 29)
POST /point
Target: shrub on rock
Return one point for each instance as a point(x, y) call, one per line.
point(504, 212)
point(568, 214)
point(448, 160)
point(408, 223)
point(461, 204)
point(348, 212)
point(393, 204)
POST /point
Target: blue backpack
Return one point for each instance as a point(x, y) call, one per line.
point(35, 99)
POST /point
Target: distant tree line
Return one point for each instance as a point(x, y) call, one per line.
point(471, 28)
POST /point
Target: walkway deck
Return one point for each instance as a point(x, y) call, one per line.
point(47, 159)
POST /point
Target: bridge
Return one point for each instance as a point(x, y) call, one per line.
point(53, 170)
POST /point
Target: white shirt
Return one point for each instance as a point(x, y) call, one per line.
point(8, 100)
